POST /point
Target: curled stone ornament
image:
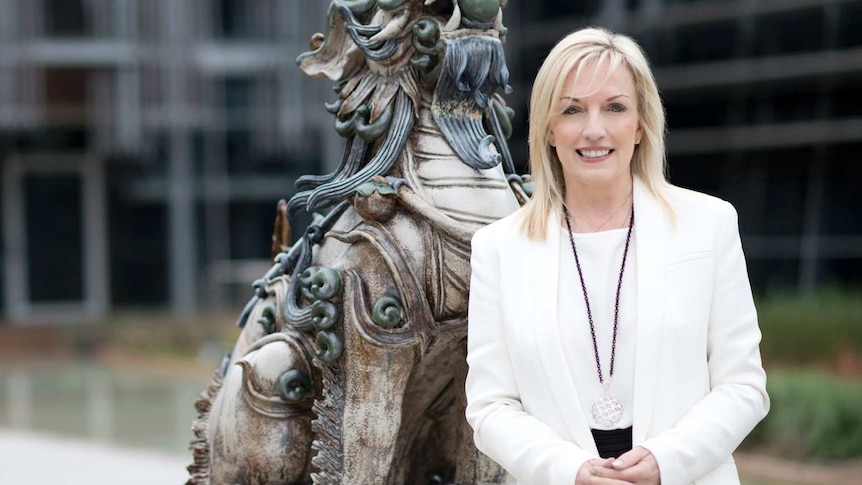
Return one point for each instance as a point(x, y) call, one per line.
point(387, 312)
point(329, 347)
point(390, 4)
point(294, 385)
point(359, 6)
point(324, 315)
point(325, 284)
point(306, 279)
point(480, 11)
point(267, 318)
point(259, 286)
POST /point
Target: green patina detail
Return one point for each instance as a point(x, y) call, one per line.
point(374, 130)
point(368, 188)
point(431, 49)
point(480, 10)
point(294, 385)
point(387, 312)
point(390, 4)
point(426, 33)
point(329, 347)
point(325, 284)
point(267, 318)
point(324, 315)
point(306, 280)
point(359, 6)
point(504, 116)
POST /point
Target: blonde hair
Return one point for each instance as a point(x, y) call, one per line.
point(571, 53)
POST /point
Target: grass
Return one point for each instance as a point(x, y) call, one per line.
point(820, 329)
point(814, 416)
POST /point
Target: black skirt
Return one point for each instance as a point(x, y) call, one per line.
point(613, 442)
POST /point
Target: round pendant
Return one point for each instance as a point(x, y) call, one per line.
point(607, 411)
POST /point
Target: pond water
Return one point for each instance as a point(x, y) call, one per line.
point(122, 406)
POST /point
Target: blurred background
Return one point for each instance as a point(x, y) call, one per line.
point(145, 143)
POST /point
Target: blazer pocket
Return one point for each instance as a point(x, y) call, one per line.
point(687, 258)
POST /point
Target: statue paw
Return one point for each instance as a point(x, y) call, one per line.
point(376, 200)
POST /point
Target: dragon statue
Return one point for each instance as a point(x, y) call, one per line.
point(350, 365)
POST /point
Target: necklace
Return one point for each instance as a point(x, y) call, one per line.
point(606, 410)
point(602, 225)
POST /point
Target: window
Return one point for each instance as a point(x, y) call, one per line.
point(65, 91)
point(55, 252)
point(697, 109)
point(850, 18)
point(243, 19)
point(708, 42)
point(846, 97)
point(65, 18)
point(554, 9)
point(789, 32)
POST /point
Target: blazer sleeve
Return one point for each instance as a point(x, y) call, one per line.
point(712, 429)
point(522, 444)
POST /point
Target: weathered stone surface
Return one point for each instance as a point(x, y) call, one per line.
point(351, 363)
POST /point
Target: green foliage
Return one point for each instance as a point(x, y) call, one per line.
point(813, 416)
point(813, 329)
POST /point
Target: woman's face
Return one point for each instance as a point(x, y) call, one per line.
point(596, 125)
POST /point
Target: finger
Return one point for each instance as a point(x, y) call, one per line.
point(645, 471)
point(606, 472)
point(597, 480)
point(601, 462)
point(630, 458)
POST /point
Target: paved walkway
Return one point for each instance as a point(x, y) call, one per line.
point(36, 459)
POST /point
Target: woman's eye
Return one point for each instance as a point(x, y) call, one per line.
point(571, 110)
point(617, 108)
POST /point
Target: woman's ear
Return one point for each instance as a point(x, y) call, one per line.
point(551, 139)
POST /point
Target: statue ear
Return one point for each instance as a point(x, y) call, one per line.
point(337, 57)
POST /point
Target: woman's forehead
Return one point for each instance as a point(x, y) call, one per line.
point(598, 77)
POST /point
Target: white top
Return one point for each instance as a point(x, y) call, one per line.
point(600, 254)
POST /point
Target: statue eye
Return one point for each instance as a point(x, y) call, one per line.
point(294, 385)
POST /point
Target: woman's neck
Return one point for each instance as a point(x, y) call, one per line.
point(596, 208)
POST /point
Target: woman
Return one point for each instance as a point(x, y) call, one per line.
point(612, 315)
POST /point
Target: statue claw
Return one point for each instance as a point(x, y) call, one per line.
point(396, 182)
point(513, 177)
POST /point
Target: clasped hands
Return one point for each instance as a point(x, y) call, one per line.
point(636, 467)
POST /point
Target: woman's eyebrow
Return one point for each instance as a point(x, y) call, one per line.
point(609, 99)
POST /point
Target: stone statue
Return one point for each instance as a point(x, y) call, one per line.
point(350, 365)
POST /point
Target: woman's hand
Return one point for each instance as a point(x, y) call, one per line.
point(637, 466)
point(598, 471)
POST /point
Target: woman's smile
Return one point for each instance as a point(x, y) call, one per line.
point(594, 154)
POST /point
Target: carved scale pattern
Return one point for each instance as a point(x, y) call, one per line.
point(327, 426)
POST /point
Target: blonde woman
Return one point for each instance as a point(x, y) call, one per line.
point(612, 337)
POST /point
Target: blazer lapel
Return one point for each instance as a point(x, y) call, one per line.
point(650, 226)
point(544, 267)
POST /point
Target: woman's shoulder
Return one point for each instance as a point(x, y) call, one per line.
point(691, 203)
point(506, 229)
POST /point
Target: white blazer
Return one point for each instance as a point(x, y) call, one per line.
point(699, 384)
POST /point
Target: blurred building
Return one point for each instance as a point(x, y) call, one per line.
point(144, 146)
point(764, 106)
point(145, 143)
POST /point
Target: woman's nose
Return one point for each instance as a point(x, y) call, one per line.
point(594, 127)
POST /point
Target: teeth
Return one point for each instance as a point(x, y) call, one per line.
point(594, 153)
